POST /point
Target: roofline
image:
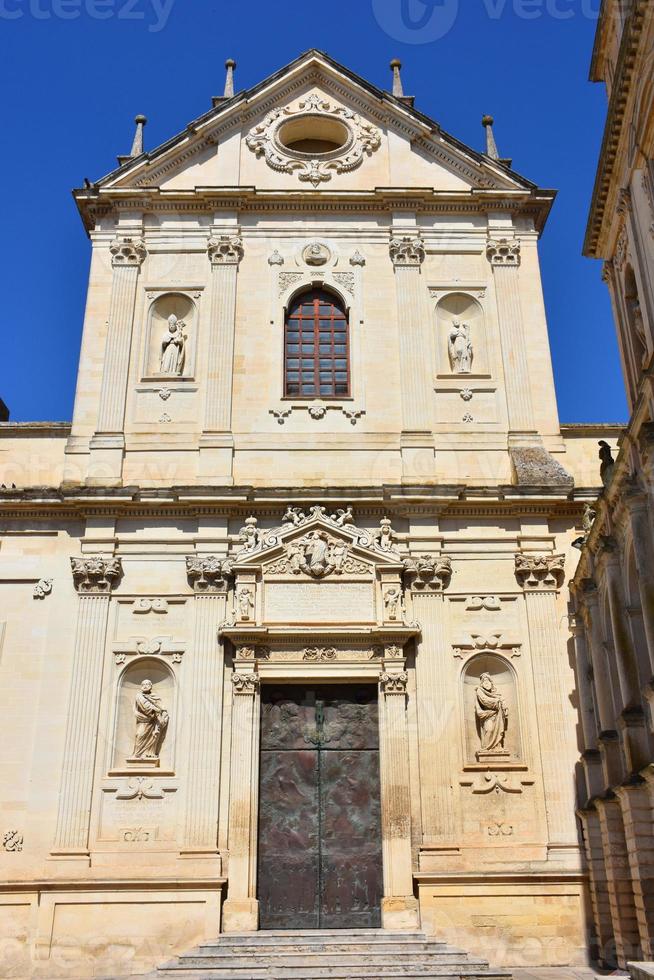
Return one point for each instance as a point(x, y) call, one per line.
point(247, 94)
point(593, 74)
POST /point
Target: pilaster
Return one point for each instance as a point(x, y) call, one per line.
point(407, 255)
point(216, 443)
point(108, 443)
point(599, 892)
point(94, 579)
point(209, 578)
point(618, 876)
point(399, 907)
point(504, 257)
point(241, 910)
point(637, 816)
point(541, 576)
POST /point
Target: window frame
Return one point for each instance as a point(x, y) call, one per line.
point(320, 295)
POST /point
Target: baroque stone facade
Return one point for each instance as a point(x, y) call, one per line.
point(384, 504)
point(612, 589)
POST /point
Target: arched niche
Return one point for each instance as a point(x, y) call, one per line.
point(129, 686)
point(167, 356)
point(503, 679)
point(464, 310)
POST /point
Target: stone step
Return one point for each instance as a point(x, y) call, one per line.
point(309, 968)
point(376, 949)
point(322, 936)
point(298, 961)
point(365, 973)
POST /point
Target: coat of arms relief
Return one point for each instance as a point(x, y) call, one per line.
point(317, 554)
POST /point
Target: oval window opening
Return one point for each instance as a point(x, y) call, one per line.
point(313, 135)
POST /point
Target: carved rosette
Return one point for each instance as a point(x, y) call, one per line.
point(407, 251)
point(503, 252)
point(127, 252)
point(225, 250)
point(245, 683)
point(361, 139)
point(95, 576)
point(544, 572)
point(393, 683)
point(428, 573)
point(208, 574)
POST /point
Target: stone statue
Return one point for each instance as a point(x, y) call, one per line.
point(392, 600)
point(608, 463)
point(245, 602)
point(173, 347)
point(492, 714)
point(151, 725)
point(460, 348)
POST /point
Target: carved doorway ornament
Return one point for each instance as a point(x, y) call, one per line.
point(316, 140)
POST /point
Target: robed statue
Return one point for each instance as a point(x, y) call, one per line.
point(492, 714)
point(460, 348)
point(173, 347)
point(151, 724)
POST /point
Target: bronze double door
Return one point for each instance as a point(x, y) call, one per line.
point(320, 854)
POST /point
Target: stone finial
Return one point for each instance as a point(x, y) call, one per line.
point(137, 145)
point(230, 65)
point(491, 146)
point(396, 67)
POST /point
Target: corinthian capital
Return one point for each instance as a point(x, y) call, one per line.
point(127, 251)
point(544, 572)
point(407, 251)
point(428, 573)
point(96, 575)
point(208, 574)
point(225, 250)
point(503, 252)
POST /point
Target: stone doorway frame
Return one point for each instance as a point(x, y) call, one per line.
point(263, 655)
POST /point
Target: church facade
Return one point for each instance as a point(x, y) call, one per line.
point(285, 637)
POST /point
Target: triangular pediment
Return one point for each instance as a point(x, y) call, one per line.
point(238, 142)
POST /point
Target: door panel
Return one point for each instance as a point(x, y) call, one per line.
point(319, 808)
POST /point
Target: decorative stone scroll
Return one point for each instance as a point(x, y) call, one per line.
point(393, 683)
point(543, 572)
point(96, 575)
point(42, 588)
point(353, 138)
point(225, 250)
point(207, 573)
point(407, 251)
point(428, 573)
point(127, 251)
point(12, 841)
point(503, 252)
point(245, 683)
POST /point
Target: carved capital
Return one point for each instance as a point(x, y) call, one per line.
point(407, 251)
point(127, 252)
point(503, 252)
point(245, 683)
point(625, 202)
point(428, 573)
point(207, 574)
point(225, 250)
point(544, 572)
point(607, 272)
point(393, 683)
point(96, 575)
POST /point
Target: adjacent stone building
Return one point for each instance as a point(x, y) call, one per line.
point(613, 587)
point(284, 634)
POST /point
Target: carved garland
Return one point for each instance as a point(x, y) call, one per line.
point(362, 140)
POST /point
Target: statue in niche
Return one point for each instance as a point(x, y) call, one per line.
point(173, 347)
point(460, 348)
point(392, 601)
point(607, 462)
point(151, 725)
point(492, 715)
point(245, 602)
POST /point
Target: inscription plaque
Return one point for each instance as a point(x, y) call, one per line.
point(319, 602)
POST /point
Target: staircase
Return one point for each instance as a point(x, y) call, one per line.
point(358, 954)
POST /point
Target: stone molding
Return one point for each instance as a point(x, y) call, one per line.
point(208, 574)
point(428, 573)
point(225, 249)
point(540, 572)
point(363, 138)
point(503, 252)
point(407, 251)
point(96, 575)
point(127, 252)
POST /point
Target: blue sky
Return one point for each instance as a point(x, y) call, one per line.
point(75, 72)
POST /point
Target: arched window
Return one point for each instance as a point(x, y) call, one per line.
point(316, 347)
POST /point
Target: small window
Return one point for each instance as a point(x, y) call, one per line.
point(316, 347)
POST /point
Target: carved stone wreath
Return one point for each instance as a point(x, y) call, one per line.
point(362, 139)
